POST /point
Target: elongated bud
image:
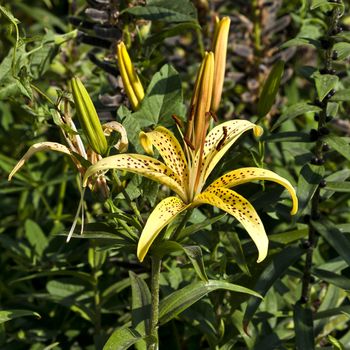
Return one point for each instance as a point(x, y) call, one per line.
point(219, 48)
point(200, 105)
point(88, 118)
point(131, 81)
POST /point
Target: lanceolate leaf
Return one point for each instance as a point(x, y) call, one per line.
point(340, 144)
point(167, 11)
point(334, 237)
point(180, 300)
point(303, 324)
point(270, 89)
point(141, 304)
point(194, 253)
point(294, 111)
point(273, 271)
point(309, 179)
point(7, 315)
point(122, 339)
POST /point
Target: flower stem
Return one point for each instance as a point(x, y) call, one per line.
point(156, 265)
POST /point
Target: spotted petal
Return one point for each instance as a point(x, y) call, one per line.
point(244, 175)
point(236, 205)
point(163, 214)
point(41, 146)
point(220, 139)
point(139, 164)
point(170, 150)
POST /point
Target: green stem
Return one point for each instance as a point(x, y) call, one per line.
point(177, 234)
point(61, 195)
point(154, 341)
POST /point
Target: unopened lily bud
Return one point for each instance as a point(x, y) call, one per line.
point(201, 101)
point(258, 131)
point(219, 48)
point(131, 81)
point(146, 143)
point(88, 118)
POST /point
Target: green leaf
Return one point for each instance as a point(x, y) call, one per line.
point(122, 339)
point(343, 50)
point(332, 312)
point(304, 332)
point(141, 304)
point(338, 186)
point(341, 95)
point(287, 136)
point(344, 35)
point(163, 99)
point(189, 230)
point(301, 41)
point(180, 300)
point(289, 236)
point(164, 10)
point(323, 3)
point(336, 343)
point(334, 237)
point(339, 144)
point(272, 272)
point(270, 89)
point(333, 278)
point(194, 253)
point(324, 83)
point(295, 110)
point(65, 288)
point(7, 315)
point(157, 39)
point(309, 179)
point(332, 109)
point(35, 236)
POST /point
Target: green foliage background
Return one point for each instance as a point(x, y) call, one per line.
point(55, 295)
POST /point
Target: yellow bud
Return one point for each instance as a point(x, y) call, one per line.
point(201, 100)
point(88, 118)
point(146, 143)
point(131, 81)
point(219, 48)
point(258, 131)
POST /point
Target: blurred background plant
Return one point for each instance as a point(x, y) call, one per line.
point(86, 289)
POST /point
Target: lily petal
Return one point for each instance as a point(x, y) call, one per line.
point(171, 151)
point(236, 205)
point(244, 175)
point(163, 214)
point(138, 164)
point(41, 146)
point(122, 144)
point(220, 139)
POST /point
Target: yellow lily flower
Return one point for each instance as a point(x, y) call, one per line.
point(180, 174)
point(186, 169)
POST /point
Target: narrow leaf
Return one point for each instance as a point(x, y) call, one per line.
point(303, 324)
point(180, 300)
point(334, 237)
point(294, 111)
point(194, 253)
point(122, 339)
point(7, 315)
point(141, 304)
point(270, 89)
point(273, 271)
point(309, 179)
point(339, 144)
